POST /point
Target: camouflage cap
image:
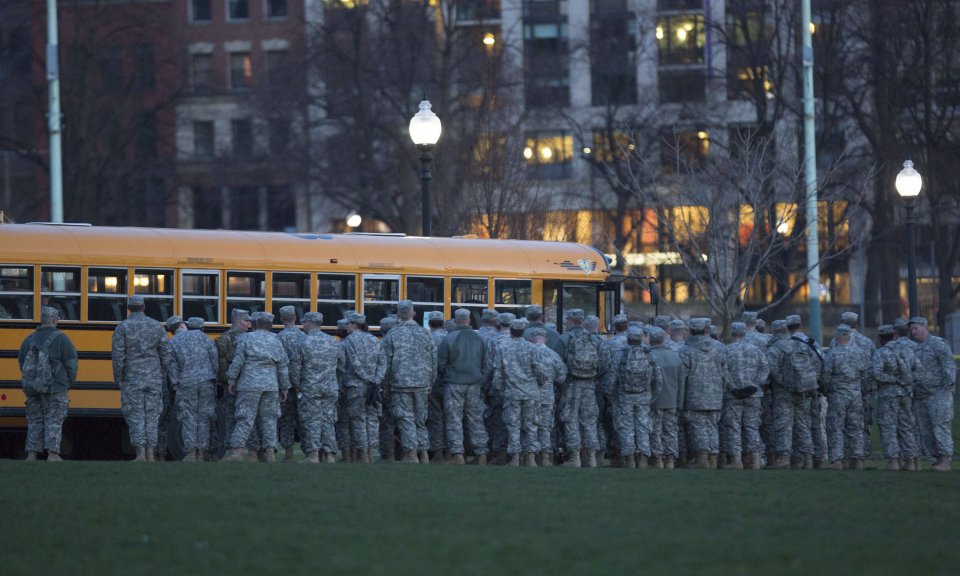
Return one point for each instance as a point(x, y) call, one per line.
point(489, 314)
point(288, 311)
point(404, 306)
point(901, 323)
point(518, 324)
point(435, 315)
point(749, 318)
point(532, 333)
point(135, 301)
point(356, 318)
point(635, 334)
point(792, 320)
point(849, 317)
point(342, 323)
point(655, 333)
point(761, 323)
point(533, 310)
point(504, 318)
point(574, 314)
point(738, 328)
point(172, 323)
point(843, 330)
point(313, 318)
point(885, 330)
point(240, 313)
point(620, 319)
point(699, 324)
point(550, 325)
point(265, 316)
point(663, 321)
point(461, 314)
point(778, 325)
point(195, 323)
point(49, 312)
point(677, 325)
point(918, 320)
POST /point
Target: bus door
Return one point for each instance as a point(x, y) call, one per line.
point(560, 296)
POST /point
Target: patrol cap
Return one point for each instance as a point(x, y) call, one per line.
point(288, 311)
point(885, 330)
point(749, 318)
point(342, 323)
point(634, 334)
point(313, 318)
point(135, 301)
point(677, 325)
point(655, 333)
point(620, 319)
point(918, 320)
point(489, 314)
point(195, 323)
point(550, 325)
point(172, 323)
point(849, 317)
point(435, 315)
point(461, 314)
point(663, 321)
point(637, 323)
point(240, 313)
point(356, 318)
point(778, 325)
point(533, 311)
point(404, 306)
point(699, 324)
point(505, 318)
point(49, 312)
point(518, 324)
point(575, 314)
point(900, 323)
point(738, 328)
point(388, 321)
point(761, 323)
point(265, 316)
point(844, 330)
point(532, 333)
point(792, 320)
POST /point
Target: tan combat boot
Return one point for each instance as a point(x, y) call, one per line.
point(893, 464)
point(702, 461)
point(233, 455)
point(911, 464)
point(288, 454)
point(313, 457)
point(856, 464)
point(150, 454)
point(641, 460)
point(437, 457)
point(457, 460)
point(602, 454)
point(481, 460)
point(771, 459)
point(735, 463)
point(190, 456)
point(712, 460)
point(514, 460)
point(546, 458)
point(591, 458)
point(942, 465)
point(656, 462)
point(808, 461)
point(629, 461)
point(141, 454)
point(424, 457)
point(782, 462)
point(54, 457)
point(329, 458)
point(410, 457)
point(754, 460)
point(573, 460)
point(532, 459)
point(270, 455)
point(31, 456)
point(389, 455)
point(668, 463)
point(837, 465)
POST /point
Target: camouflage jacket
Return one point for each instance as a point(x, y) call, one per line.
point(706, 370)
point(554, 370)
point(260, 364)
point(361, 360)
point(314, 368)
point(226, 346)
point(518, 372)
point(892, 372)
point(140, 351)
point(844, 369)
point(747, 365)
point(937, 368)
point(410, 356)
point(194, 359)
point(673, 391)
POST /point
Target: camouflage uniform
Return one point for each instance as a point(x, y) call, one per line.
point(260, 370)
point(362, 375)
point(435, 425)
point(935, 383)
point(607, 405)
point(388, 427)
point(794, 410)
point(555, 375)
point(665, 439)
point(313, 372)
point(518, 374)
point(578, 402)
point(461, 363)
point(47, 411)
point(869, 392)
point(493, 416)
point(411, 367)
point(637, 382)
point(706, 371)
point(344, 440)
point(892, 371)
point(844, 369)
point(746, 366)
point(226, 345)
point(193, 375)
point(140, 357)
point(290, 338)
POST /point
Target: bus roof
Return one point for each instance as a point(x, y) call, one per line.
point(180, 248)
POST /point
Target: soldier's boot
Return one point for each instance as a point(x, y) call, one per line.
point(796, 464)
point(54, 457)
point(160, 456)
point(363, 456)
point(150, 455)
point(656, 462)
point(735, 463)
point(629, 461)
point(616, 460)
point(233, 455)
point(837, 465)
point(573, 461)
point(481, 460)
point(410, 456)
point(858, 463)
point(252, 456)
point(270, 455)
point(514, 460)
point(329, 458)
point(591, 458)
point(31, 456)
point(190, 456)
point(771, 459)
point(641, 460)
point(532, 459)
point(457, 460)
point(712, 460)
point(682, 461)
point(447, 455)
point(701, 461)
point(911, 464)
point(288, 454)
point(942, 465)
point(808, 461)
point(389, 455)
point(546, 459)
point(601, 454)
point(424, 457)
point(754, 461)
point(313, 457)
point(893, 464)
point(780, 462)
point(668, 463)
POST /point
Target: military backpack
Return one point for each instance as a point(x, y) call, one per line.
point(803, 367)
point(37, 370)
point(635, 371)
point(583, 356)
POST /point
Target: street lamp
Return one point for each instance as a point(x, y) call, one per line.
point(908, 186)
point(425, 131)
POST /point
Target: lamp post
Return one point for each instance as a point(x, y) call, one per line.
point(425, 131)
point(908, 186)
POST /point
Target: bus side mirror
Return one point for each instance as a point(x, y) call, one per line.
point(654, 289)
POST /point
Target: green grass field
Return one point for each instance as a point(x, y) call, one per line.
point(173, 518)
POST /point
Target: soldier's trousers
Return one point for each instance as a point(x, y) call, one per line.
point(522, 418)
point(631, 419)
point(256, 409)
point(318, 419)
point(935, 418)
point(768, 432)
point(845, 425)
point(229, 402)
point(818, 427)
point(493, 420)
point(388, 427)
point(462, 403)
point(409, 406)
point(45, 416)
point(435, 424)
point(704, 431)
point(364, 419)
point(162, 423)
point(869, 398)
point(665, 439)
point(897, 426)
point(547, 417)
point(578, 412)
point(740, 425)
point(607, 437)
point(196, 407)
point(343, 426)
point(793, 415)
point(289, 420)
point(140, 406)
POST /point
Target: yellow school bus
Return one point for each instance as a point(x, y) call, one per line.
point(87, 272)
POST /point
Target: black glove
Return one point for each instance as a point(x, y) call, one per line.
point(744, 393)
point(374, 395)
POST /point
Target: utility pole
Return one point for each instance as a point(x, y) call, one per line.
point(53, 116)
point(810, 177)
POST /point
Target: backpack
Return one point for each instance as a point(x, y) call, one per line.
point(635, 371)
point(37, 370)
point(582, 356)
point(803, 367)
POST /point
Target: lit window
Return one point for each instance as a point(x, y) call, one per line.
point(241, 70)
point(549, 154)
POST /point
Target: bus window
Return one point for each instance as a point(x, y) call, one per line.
point(426, 293)
point(290, 289)
point(16, 292)
point(200, 294)
point(336, 293)
point(469, 293)
point(246, 290)
point(60, 288)
point(513, 295)
point(106, 294)
point(156, 287)
point(582, 296)
point(380, 296)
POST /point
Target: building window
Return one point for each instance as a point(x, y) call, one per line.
point(277, 66)
point(238, 9)
point(549, 155)
point(60, 288)
point(200, 294)
point(335, 295)
point(681, 151)
point(110, 65)
point(667, 5)
point(478, 10)
point(279, 136)
point(682, 85)
point(106, 294)
point(203, 144)
point(144, 66)
point(200, 10)
point(207, 208)
point(16, 292)
point(276, 8)
point(201, 72)
point(612, 48)
point(246, 290)
point(290, 289)
point(147, 136)
point(245, 208)
point(547, 62)
point(241, 70)
point(681, 39)
point(242, 133)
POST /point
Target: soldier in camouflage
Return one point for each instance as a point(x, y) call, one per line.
point(706, 370)
point(411, 368)
point(606, 393)
point(388, 427)
point(347, 447)
point(461, 357)
point(794, 409)
point(493, 416)
point(193, 376)
point(435, 426)
point(362, 376)
point(588, 362)
point(935, 386)
point(534, 315)
point(226, 345)
point(519, 374)
point(844, 368)
point(259, 376)
point(46, 411)
point(140, 358)
point(748, 372)
point(678, 335)
point(637, 382)
point(665, 438)
point(313, 374)
point(892, 370)
point(907, 349)
point(555, 374)
point(869, 393)
point(290, 337)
